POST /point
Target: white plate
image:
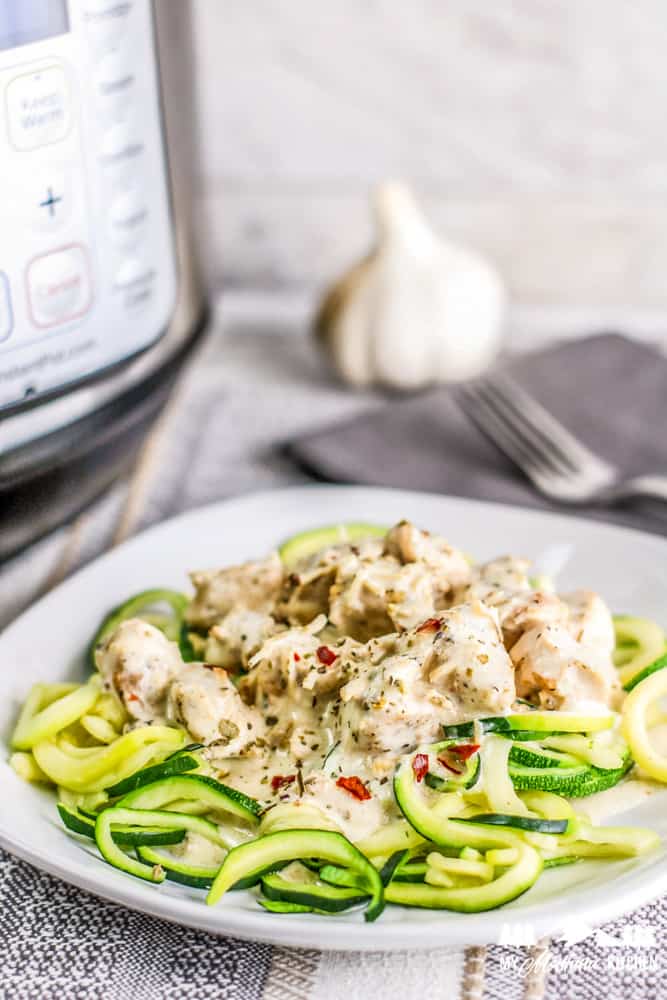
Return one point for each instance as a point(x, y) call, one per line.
point(46, 643)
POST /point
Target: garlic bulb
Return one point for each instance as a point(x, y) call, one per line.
point(417, 310)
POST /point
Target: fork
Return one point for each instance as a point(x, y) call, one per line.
point(557, 464)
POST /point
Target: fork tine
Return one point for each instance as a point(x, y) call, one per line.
point(538, 458)
point(514, 447)
point(538, 421)
point(518, 424)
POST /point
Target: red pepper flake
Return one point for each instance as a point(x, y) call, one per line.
point(297, 657)
point(280, 780)
point(133, 697)
point(464, 750)
point(355, 787)
point(430, 625)
point(454, 770)
point(326, 655)
point(420, 766)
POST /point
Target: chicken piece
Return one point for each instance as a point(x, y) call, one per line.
point(306, 595)
point(294, 665)
point(469, 662)
point(498, 579)
point(336, 556)
point(503, 584)
point(561, 646)
point(139, 663)
point(529, 611)
point(382, 597)
point(253, 586)
point(556, 671)
point(412, 581)
point(204, 700)
point(449, 669)
point(307, 588)
point(449, 567)
point(389, 708)
point(292, 679)
point(590, 620)
point(236, 639)
point(377, 586)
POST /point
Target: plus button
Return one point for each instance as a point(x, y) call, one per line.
point(50, 202)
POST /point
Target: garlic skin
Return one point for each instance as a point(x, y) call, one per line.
point(417, 310)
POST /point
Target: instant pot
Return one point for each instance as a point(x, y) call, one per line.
point(100, 300)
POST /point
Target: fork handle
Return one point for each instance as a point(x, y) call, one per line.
point(654, 487)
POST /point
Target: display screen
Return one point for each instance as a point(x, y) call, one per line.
point(25, 21)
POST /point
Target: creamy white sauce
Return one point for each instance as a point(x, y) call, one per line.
point(628, 794)
point(198, 851)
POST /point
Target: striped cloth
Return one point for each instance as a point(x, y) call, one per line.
point(242, 394)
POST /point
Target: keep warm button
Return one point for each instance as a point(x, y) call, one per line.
point(59, 287)
point(38, 108)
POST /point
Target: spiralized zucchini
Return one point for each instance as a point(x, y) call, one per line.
point(91, 769)
point(496, 780)
point(26, 767)
point(439, 865)
point(90, 802)
point(295, 816)
point(510, 882)
point(49, 709)
point(451, 850)
point(639, 642)
point(110, 708)
point(99, 728)
point(73, 733)
point(637, 711)
point(395, 836)
point(550, 806)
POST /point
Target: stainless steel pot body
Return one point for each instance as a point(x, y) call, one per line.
point(62, 443)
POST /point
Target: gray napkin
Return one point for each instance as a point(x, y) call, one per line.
point(609, 391)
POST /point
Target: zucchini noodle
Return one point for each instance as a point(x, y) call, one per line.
point(606, 842)
point(549, 805)
point(395, 836)
point(99, 728)
point(26, 767)
point(43, 716)
point(90, 802)
point(639, 642)
point(601, 750)
point(638, 707)
point(109, 707)
point(472, 898)
point(91, 769)
point(191, 808)
point(439, 864)
point(497, 783)
point(295, 816)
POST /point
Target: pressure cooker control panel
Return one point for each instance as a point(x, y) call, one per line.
point(87, 262)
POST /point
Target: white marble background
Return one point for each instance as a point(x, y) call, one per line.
point(535, 130)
